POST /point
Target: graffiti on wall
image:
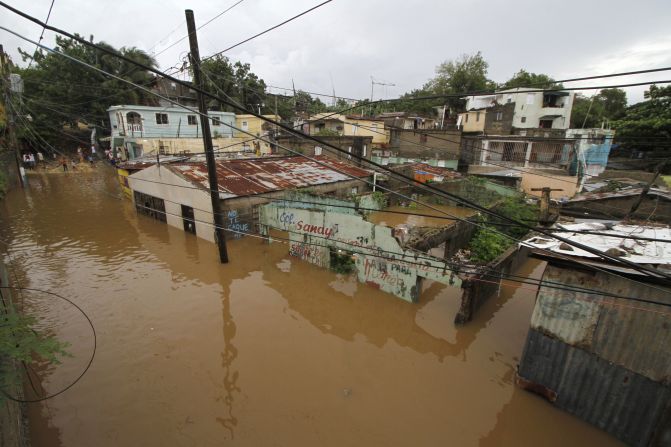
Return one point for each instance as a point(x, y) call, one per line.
point(310, 253)
point(237, 228)
point(289, 220)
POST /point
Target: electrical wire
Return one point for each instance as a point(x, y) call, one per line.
point(641, 268)
point(88, 364)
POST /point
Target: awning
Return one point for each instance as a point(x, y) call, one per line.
point(555, 93)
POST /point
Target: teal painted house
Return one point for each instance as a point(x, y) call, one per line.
point(166, 122)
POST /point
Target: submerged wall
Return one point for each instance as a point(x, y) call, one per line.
point(606, 360)
point(380, 260)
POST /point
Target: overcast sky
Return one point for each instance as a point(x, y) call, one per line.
point(345, 42)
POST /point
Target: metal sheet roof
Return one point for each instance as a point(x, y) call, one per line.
point(261, 175)
point(634, 250)
point(621, 193)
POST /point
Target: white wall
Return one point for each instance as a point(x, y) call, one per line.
point(158, 181)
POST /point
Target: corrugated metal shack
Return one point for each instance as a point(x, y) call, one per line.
point(604, 359)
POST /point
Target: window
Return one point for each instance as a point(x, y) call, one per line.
point(355, 190)
point(365, 146)
point(545, 124)
point(509, 99)
point(245, 125)
point(318, 150)
point(523, 119)
point(161, 118)
point(530, 98)
point(499, 116)
point(193, 120)
point(173, 86)
point(466, 119)
point(216, 121)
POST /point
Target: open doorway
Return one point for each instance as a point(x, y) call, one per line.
point(188, 219)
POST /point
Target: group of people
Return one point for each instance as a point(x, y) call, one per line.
point(29, 160)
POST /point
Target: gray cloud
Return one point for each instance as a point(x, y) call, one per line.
point(349, 41)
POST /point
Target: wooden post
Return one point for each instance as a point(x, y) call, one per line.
point(207, 139)
point(544, 217)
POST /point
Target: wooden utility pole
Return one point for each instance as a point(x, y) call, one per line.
point(9, 113)
point(544, 217)
point(207, 139)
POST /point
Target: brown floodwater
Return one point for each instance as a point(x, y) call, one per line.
point(267, 350)
point(439, 211)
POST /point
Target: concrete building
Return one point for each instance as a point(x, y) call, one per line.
point(178, 193)
point(349, 125)
point(139, 130)
point(407, 121)
point(540, 162)
point(549, 109)
point(175, 92)
point(594, 352)
point(354, 146)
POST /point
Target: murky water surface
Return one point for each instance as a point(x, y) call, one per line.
point(267, 350)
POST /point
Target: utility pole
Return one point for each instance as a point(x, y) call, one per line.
point(207, 139)
point(9, 113)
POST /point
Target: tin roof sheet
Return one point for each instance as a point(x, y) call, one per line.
point(620, 193)
point(634, 250)
point(257, 176)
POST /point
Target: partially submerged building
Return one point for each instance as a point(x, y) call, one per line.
point(599, 344)
point(178, 193)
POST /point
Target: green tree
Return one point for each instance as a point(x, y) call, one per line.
point(59, 92)
point(235, 82)
point(614, 102)
point(651, 118)
point(468, 73)
point(19, 342)
point(525, 79)
point(607, 105)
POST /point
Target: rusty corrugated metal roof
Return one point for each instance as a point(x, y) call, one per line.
point(261, 175)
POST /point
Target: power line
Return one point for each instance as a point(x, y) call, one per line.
point(201, 26)
point(43, 29)
point(267, 30)
point(641, 268)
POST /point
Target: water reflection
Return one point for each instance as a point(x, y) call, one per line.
point(266, 350)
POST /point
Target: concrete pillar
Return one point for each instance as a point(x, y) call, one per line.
point(527, 156)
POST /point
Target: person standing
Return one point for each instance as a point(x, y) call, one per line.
point(64, 163)
point(40, 159)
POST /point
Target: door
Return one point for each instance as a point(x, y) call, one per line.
point(188, 219)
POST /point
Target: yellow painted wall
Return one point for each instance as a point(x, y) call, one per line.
point(354, 127)
point(195, 145)
point(532, 180)
point(254, 124)
point(122, 174)
point(473, 124)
